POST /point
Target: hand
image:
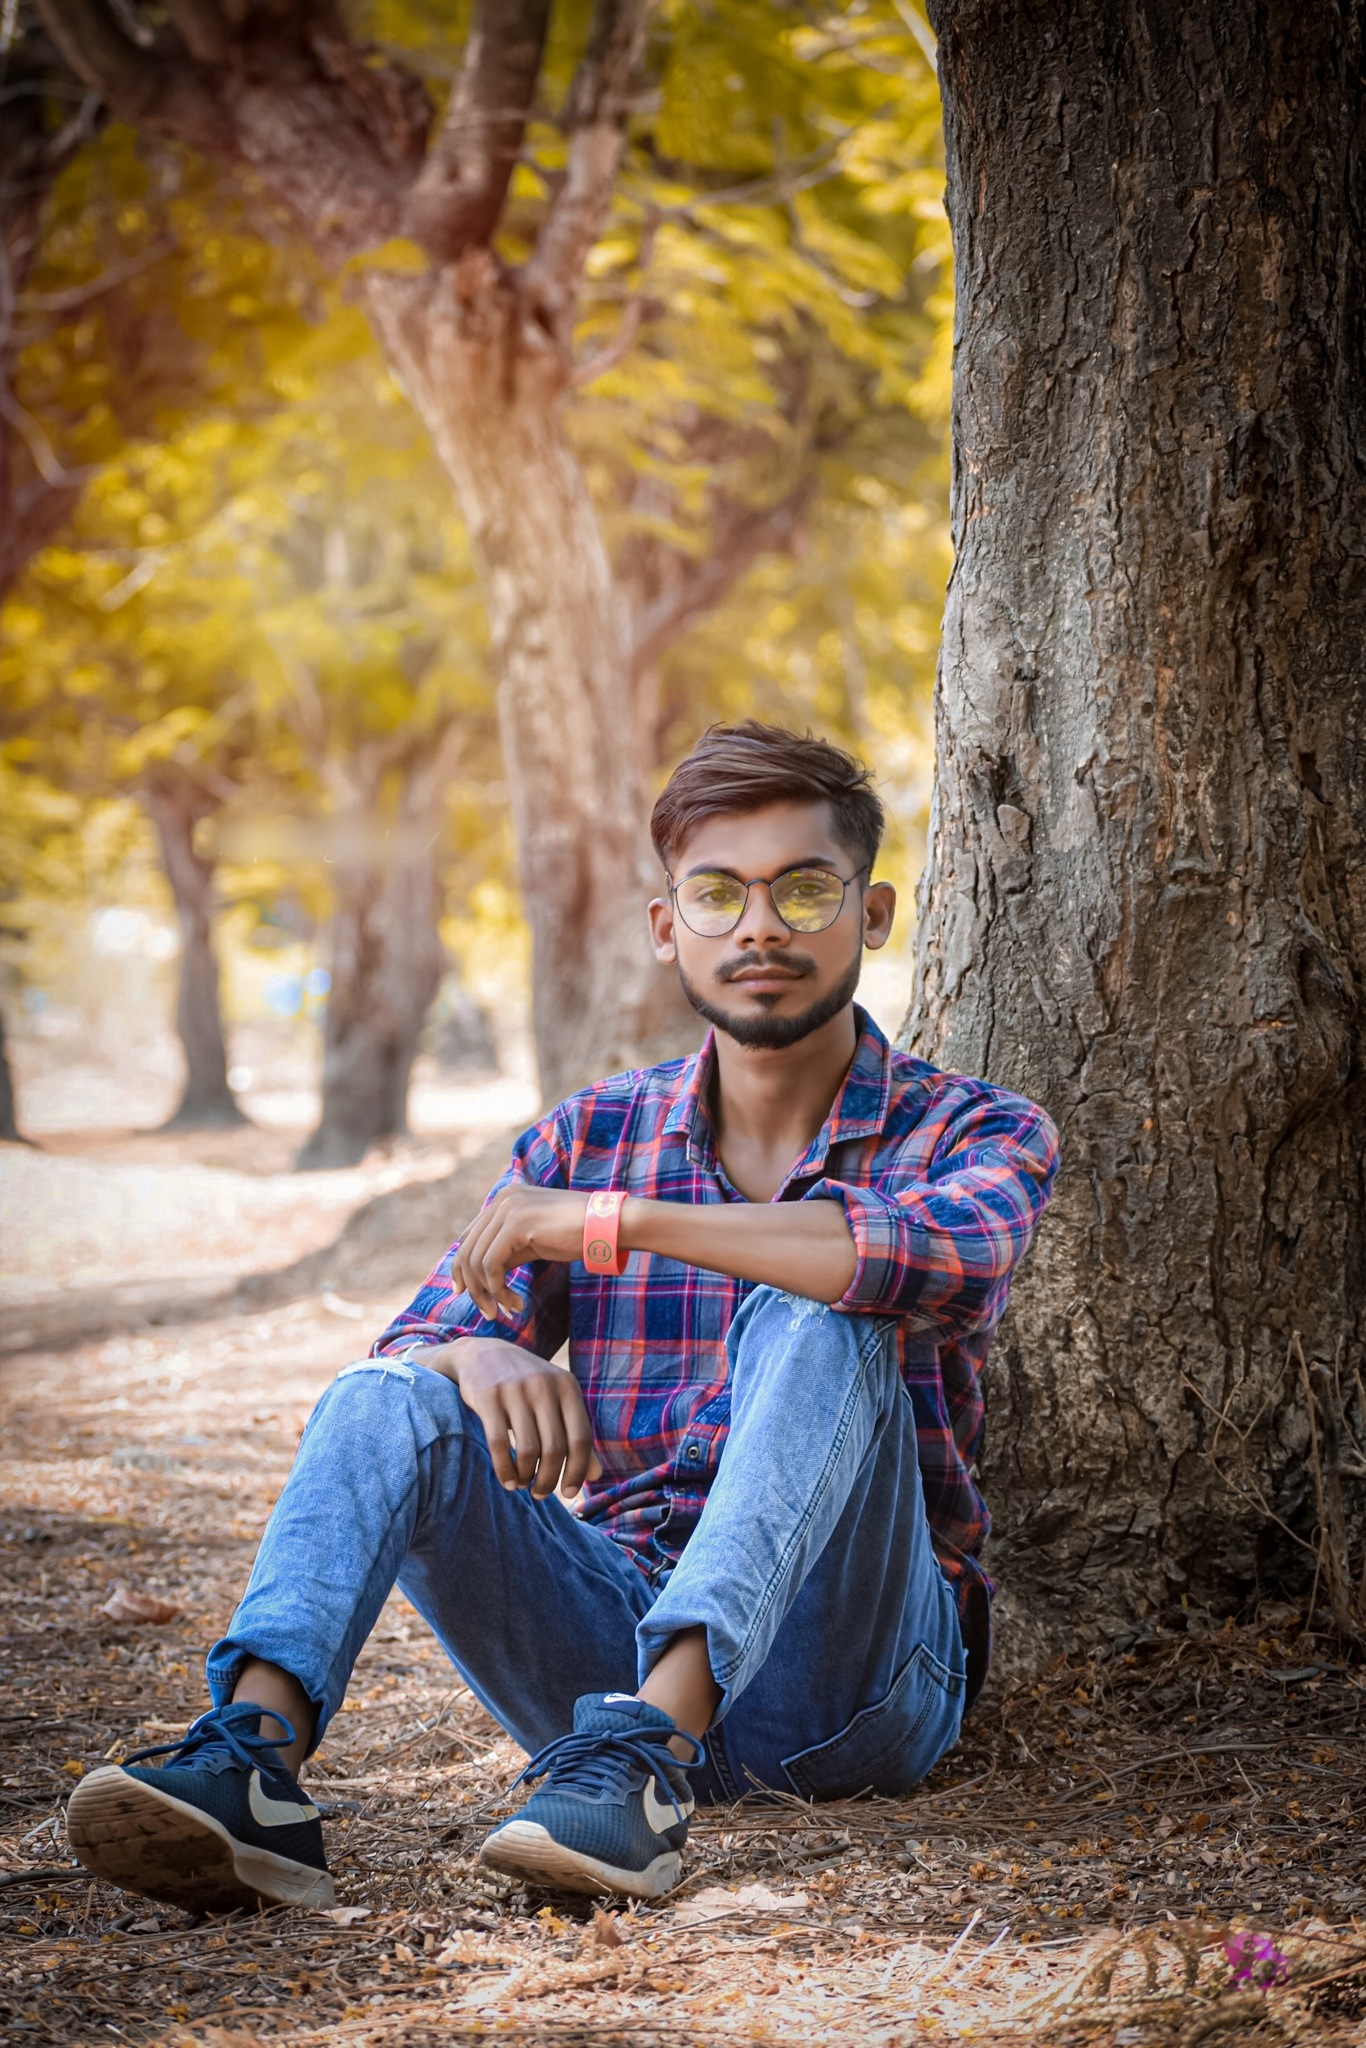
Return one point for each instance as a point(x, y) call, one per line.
point(519, 1224)
point(517, 1395)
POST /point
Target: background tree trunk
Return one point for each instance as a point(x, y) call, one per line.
point(386, 964)
point(488, 383)
point(386, 952)
point(176, 804)
point(9, 1122)
point(36, 493)
point(1146, 903)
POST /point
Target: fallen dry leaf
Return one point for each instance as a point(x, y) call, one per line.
point(125, 1606)
point(345, 1916)
point(604, 1930)
point(716, 1903)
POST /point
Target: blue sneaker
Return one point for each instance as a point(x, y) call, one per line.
point(612, 1814)
point(220, 1824)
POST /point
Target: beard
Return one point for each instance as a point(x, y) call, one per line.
point(771, 1033)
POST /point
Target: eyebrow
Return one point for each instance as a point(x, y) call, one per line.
point(712, 867)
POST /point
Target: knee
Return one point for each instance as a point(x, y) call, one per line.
point(773, 1325)
point(774, 1328)
point(377, 1389)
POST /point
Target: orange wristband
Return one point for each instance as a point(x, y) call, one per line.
point(602, 1252)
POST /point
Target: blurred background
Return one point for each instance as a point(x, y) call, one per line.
point(255, 815)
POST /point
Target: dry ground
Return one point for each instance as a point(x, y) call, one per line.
point(1071, 1874)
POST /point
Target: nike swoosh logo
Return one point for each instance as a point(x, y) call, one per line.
point(660, 1815)
point(276, 1813)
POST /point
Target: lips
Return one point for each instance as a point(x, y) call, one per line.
point(763, 975)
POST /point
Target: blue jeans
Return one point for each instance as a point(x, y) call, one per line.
point(831, 1629)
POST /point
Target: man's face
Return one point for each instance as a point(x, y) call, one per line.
point(763, 983)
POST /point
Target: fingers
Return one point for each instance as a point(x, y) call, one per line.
point(480, 1274)
point(480, 1266)
point(581, 1461)
point(526, 1441)
point(496, 1436)
point(466, 1266)
point(539, 1438)
point(553, 1438)
point(551, 1447)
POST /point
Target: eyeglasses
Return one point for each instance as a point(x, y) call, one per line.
point(806, 899)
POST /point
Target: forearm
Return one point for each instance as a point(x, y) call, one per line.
point(803, 1247)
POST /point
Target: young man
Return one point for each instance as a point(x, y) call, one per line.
point(778, 1265)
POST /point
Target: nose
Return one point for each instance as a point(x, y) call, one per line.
point(760, 925)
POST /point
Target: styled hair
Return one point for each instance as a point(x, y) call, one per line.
point(746, 766)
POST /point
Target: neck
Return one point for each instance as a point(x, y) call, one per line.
point(777, 1101)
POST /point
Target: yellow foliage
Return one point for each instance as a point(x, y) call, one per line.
point(266, 576)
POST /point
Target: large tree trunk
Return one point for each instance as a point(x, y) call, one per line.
point(10, 1132)
point(176, 804)
point(1146, 903)
point(36, 493)
point(488, 385)
point(386, 959)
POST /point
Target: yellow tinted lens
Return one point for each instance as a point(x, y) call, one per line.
point(808, 899)
point(711, 904)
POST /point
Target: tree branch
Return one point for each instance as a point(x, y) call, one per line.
point(743, 535)
point(164, 92)
point(202, 29)
point(78, 295)
point(624, 340)
point(611, 353)
point(335, 136)
point(458, 196)
point(435, 767)
point(595, 119)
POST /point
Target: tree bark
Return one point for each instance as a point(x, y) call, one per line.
point(488, 384)
point(37, 494)
point(10, 1132)
point(386, 962)
point(386, 954)
point(1146, 900)
point(176, 804)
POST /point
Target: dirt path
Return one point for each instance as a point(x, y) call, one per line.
point(1139, 1807)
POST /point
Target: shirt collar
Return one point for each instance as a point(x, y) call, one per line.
point(689, 1117)
point(858, 1111)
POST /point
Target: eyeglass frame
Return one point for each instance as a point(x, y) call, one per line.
point(759, 881)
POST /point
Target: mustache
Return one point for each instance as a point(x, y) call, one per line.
point(797, 965)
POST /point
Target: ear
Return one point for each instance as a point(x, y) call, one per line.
point(879, 911)
point(662, 931)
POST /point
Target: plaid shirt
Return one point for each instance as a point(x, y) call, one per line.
point(943, 1180)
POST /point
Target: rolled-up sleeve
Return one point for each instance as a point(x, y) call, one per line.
point(440, 1312)
point(941, 1250)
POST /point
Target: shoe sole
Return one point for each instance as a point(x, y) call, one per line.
point(145, 1841)
point(525, 1849)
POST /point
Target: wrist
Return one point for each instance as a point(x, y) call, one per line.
point(631, 1222)
point(458, 1355)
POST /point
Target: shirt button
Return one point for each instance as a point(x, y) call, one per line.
point(694, 1454)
